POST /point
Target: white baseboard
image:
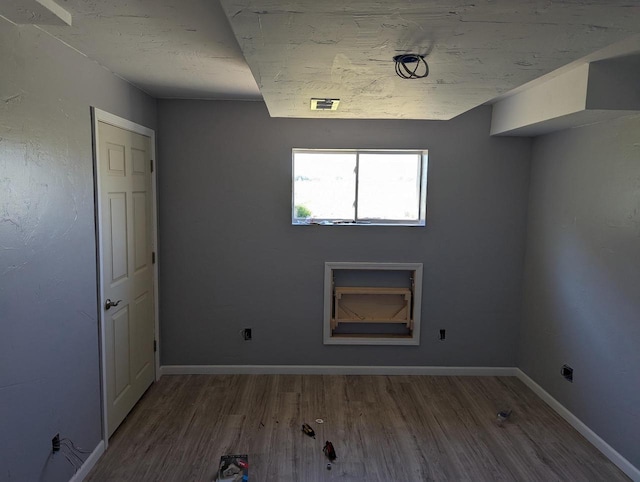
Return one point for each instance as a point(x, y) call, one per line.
point(88, 464)
point(334, 370)
point(622, 463)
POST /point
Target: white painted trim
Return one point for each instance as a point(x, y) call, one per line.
point(117, 121)
point(330, 266)
point(156, 249)
point(57, 10)
point(613, 455)
point(373, 265)
point(335, 370)
point(88, 464)
point(103, 370)
point(99, 115)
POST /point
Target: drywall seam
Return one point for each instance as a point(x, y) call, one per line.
point(334, 370)
point(88, 464)
point(613, 455)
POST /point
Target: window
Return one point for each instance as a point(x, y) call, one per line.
point(359, 187)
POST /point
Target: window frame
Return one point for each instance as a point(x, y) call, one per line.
point(421, 180)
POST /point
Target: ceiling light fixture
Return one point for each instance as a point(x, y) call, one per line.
point(324, 104)
point(405, 70)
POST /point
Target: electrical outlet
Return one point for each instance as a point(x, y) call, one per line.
point(443, 334)
point(55, 443)
point(246, 334)
point(567, 372)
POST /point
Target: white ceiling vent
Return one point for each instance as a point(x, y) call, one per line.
point(324, 104)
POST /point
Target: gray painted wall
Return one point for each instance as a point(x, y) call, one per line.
point(582, 282)
point(231, 259)
point(49, 359)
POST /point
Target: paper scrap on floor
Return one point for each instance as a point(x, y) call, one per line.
point(233, 468)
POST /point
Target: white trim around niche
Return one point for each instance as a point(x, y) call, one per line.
point(328, 337)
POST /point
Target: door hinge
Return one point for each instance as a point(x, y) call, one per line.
point(155, 346)
point(151, 165)
point(153, 257)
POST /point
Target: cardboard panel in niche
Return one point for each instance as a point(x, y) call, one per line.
point(372, 303)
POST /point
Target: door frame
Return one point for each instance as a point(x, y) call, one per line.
point(98, 115)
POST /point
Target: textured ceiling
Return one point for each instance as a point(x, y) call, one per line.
point(476, 50)
point(168, 48)
point(295, 50)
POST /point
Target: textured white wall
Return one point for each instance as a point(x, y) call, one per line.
point(49, 360)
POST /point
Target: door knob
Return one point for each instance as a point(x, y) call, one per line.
point(108, 304)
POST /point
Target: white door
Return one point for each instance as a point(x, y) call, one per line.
point(127, 273)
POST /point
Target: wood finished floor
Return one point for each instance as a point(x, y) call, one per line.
point(383, 428)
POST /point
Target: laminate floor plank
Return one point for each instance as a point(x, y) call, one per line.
point(426, 435)
point(384, 429)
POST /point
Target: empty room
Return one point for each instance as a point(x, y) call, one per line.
point(319, 240)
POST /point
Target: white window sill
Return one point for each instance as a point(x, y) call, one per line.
point(354, 223)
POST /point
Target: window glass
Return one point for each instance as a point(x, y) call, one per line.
point(389, 186)
point(324, 185)
point(359, 187)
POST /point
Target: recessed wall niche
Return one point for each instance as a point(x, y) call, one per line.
point(372, 303)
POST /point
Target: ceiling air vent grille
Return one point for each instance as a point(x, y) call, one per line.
point(324, 104)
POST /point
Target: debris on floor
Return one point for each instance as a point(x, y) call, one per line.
point(503, 416)
point(233, 468)
point(306, 428)
point(329, 451)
